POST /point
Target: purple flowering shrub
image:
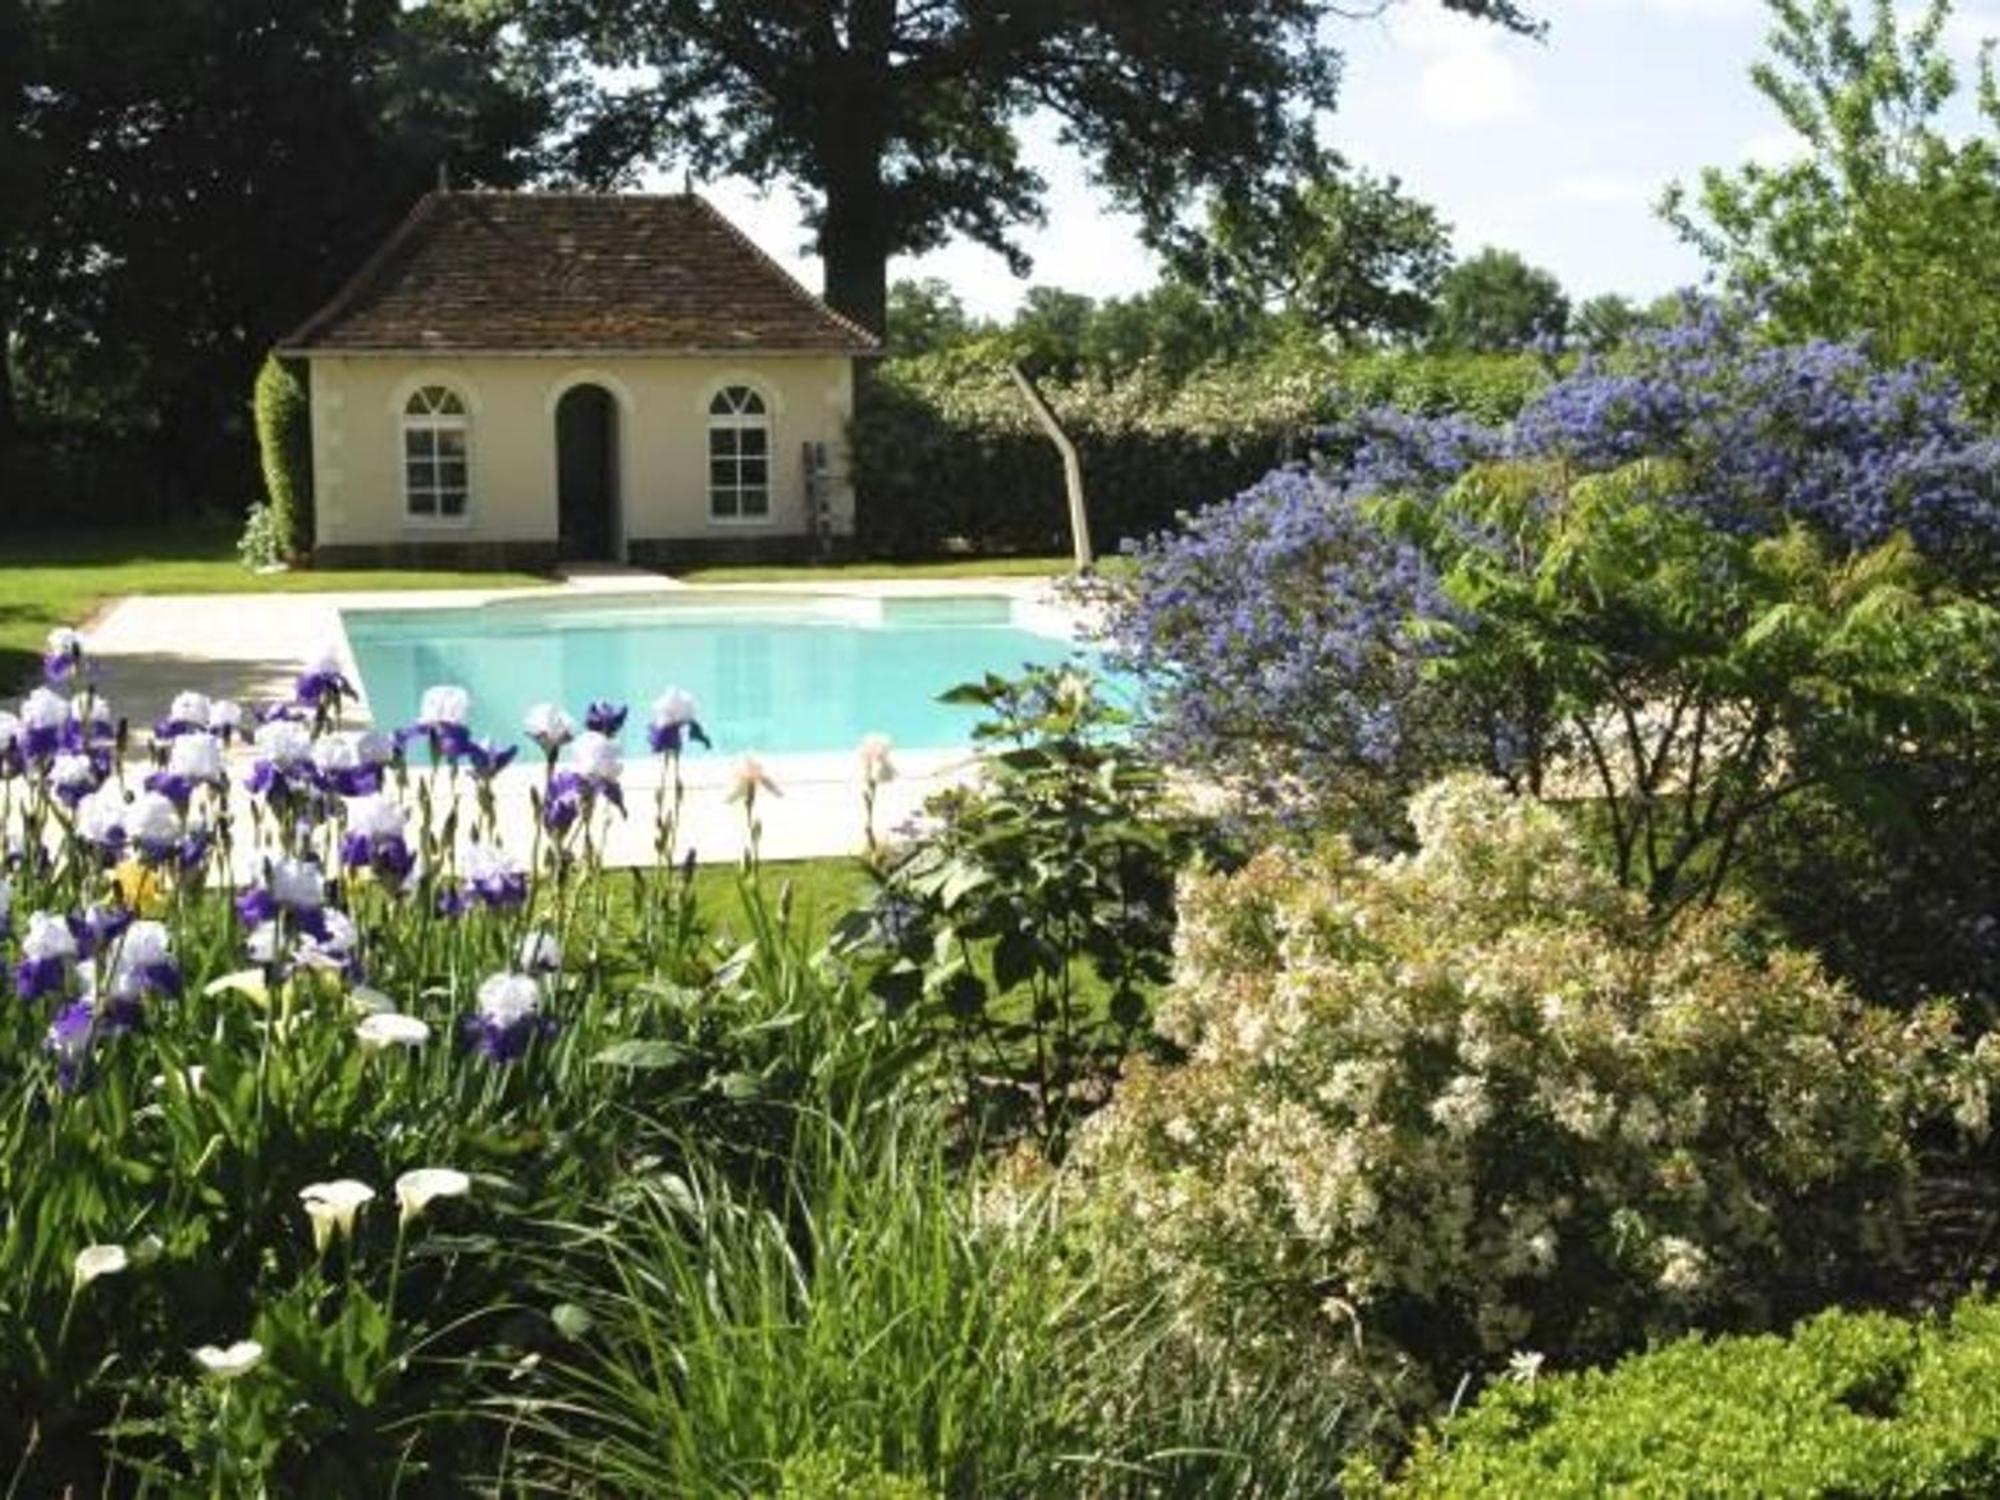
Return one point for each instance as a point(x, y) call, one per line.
point(1677, 591)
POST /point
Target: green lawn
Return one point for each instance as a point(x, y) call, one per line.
point(50, 580)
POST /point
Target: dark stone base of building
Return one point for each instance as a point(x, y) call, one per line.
point(668, 554)
point(449, 556)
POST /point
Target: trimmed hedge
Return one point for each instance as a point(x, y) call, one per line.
point(284, 445)
point(1851, 1404)
point(947, 455)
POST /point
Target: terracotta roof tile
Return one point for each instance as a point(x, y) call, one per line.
point(522, 272)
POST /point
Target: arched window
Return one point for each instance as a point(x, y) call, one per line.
point(739, 456)
point(436, 474)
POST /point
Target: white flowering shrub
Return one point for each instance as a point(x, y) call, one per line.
point(1465, 1101)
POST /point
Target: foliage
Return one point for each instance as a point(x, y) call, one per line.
point(170, 232)
point(284, 442)
point(897, 121)
point(387, 992)
point(1887, 222)
point(1684, 588)
point(947, 456)
point(1061, 860)
point(1497, 302)
point(263, 542)
point(925, 316)
point(1469, 1100)
point(1848, 1404)
point(1346, 254)
point(870, 1338)
point(1603, 323)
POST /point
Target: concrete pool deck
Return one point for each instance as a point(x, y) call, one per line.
point(251, 646)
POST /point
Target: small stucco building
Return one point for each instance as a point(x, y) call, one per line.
point(515, 379)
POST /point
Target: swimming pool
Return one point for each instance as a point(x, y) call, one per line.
point(772, 673)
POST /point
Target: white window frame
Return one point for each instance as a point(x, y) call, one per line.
point(739, 421)
point(434, 422)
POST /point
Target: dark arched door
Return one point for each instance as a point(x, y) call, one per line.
point(587, 471)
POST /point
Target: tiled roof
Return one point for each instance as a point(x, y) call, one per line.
point(603, 272)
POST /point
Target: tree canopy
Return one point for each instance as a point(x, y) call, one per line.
point(895, 120)
point(1887, 223)
point(1350, 254)
point(199, 174)
point(1497, 302)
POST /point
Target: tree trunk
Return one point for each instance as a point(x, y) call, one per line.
point(854, 247)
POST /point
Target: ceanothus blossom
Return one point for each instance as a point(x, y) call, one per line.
point(509, 1016)
point(674, 721)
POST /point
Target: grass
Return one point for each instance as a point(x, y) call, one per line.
point(51, 580)
point(822, 891)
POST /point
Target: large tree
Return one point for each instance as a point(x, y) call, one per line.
point(1348, 254)
point(895, 119)
point(1886, 222)
point(215, 168)
point(1496, 302)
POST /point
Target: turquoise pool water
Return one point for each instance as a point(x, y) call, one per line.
point(772, 674)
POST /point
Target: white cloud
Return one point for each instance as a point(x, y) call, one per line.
point(1466, 73)
point(1773, 148)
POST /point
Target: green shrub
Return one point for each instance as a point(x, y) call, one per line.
point(1470, 1100)
point(946, 452)
point(1029, 931)
point(1850, 1404)
point(284, 443)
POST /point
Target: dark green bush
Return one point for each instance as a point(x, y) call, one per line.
point(946, 453)
point(284, 444)
point(1851, 1404)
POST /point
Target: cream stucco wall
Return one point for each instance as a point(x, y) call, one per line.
point(662, 443)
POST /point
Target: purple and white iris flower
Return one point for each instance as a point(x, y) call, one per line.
point(284, 759)
point(442, 716)
point(48, 957)
point(293, 888)
point(44, 724)
point(605, 718)
point(509, 1016)
point(674, 723)
point(100, 819)
point(187, 714)
point(377, 838)
point(539, 953)
point(323, 683)
point(62, 662)
point(193, 759)
point(592, 771)
point(550, 727)
point(495, 877)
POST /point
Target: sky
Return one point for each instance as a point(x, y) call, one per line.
point(1556, 148)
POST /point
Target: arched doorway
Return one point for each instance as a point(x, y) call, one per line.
point(587, 472)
